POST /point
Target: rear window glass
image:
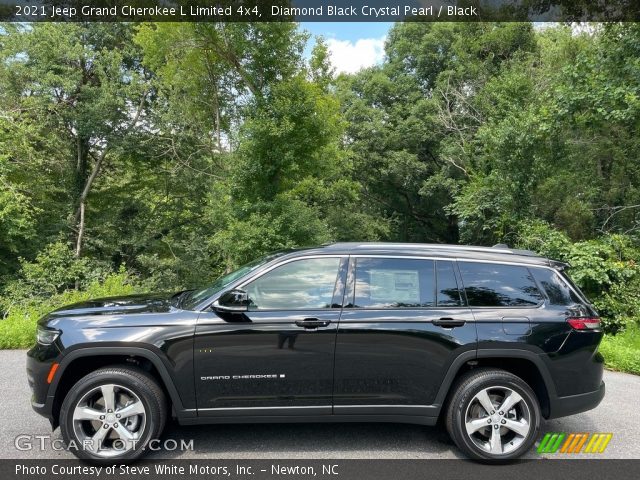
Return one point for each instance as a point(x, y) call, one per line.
point(556, 287)
point(495, 285)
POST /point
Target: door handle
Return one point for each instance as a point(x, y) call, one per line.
point(448, 322)
point(312, 323)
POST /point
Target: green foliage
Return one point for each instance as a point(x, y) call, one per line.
point(605, 269)
point(54, 270)
point(221, 142)
point(621, 351)
point(17, 327)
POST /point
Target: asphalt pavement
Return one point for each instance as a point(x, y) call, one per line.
point(21, 426)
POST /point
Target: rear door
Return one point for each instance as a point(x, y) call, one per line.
point(277, 358)
point(506, 302)
point(403, 323)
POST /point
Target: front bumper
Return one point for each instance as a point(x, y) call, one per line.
point(39, 361)
point(570, 405)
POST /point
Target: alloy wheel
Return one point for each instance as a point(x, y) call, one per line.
point(498, 420)
point(109, 420)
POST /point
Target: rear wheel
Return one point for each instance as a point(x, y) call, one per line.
point(112, 414)
point(493, 415)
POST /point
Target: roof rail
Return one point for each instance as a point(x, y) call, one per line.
point(499, 248)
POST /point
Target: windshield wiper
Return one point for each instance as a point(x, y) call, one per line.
point(179, 297)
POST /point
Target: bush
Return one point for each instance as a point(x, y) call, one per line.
point(605, 268)
point(17, 328)
point(54, 271)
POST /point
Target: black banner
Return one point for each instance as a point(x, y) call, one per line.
point(319, 469)
point(319, 10)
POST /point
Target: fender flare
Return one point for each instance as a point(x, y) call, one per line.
point(145, 353)
point(463, 358)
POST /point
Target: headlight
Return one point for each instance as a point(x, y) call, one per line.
point(46, 336)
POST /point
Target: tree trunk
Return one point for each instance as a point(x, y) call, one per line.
point(83, 201)
point(80, 230)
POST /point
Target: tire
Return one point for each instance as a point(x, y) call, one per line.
point(473, 428)
point(93, 431)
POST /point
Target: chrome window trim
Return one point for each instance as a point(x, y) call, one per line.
point(241, 282)
point(213, 409)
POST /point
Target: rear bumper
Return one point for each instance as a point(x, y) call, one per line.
point(570, 405)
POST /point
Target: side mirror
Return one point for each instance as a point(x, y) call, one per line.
point(235, 300)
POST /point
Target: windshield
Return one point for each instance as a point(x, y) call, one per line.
point(194, 297)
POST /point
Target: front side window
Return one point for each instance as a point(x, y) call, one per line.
point(194, 297)
point(394, 283)
point(495, 285)
point(304, 284)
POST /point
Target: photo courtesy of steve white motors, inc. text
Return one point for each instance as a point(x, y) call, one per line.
point(238, 469)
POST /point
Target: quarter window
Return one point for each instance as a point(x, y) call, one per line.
point(394, 283)
point(555, 287)
point(299, 285)
point(494, 285)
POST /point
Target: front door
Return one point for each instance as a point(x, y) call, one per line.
point(277, 358)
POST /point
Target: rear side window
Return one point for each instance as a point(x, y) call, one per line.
point(394, 283)
point(495, 285)
point(556, 288)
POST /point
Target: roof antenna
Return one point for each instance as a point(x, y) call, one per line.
point(500, 245)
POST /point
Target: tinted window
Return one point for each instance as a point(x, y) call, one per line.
point(493, 285)
point(447, 286)
point(555, 287)
point(301, 284)
point(394, 282)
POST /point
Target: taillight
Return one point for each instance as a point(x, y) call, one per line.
point(584, 323)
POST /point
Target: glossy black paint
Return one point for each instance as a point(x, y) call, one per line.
point(391, 364)
point(396, 357)
point(298, 362)
point(151, 323)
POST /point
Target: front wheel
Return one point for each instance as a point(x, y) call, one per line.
point(112, 414)
point(493, 415)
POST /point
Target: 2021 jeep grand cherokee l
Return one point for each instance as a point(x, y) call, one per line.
point(491, 340)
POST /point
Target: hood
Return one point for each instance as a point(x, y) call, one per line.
point(146, 303)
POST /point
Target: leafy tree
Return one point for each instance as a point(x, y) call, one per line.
point(83, 88)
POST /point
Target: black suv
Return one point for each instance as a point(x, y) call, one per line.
point(489, 340)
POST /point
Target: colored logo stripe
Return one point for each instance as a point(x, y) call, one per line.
point(551, 442)
point(598, 442)
point(574, 442)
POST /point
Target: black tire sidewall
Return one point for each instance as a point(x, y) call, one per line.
point(465, 395)
point(120, 377)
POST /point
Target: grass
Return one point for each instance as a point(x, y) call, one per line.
point(622, 352)
point(18, 329)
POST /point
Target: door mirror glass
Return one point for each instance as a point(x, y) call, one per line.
point(235, 300)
